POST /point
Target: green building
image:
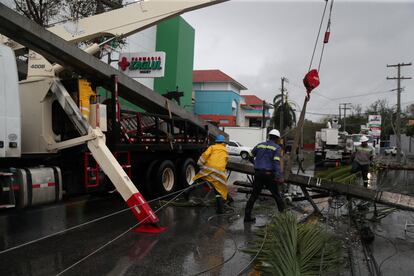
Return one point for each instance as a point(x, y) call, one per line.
point(175, 37)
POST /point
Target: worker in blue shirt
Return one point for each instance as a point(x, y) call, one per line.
point(268, 173)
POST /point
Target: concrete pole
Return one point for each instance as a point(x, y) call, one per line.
point(398, 120)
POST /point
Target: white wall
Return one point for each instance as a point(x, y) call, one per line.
point(144, 41)
point(231, 87)
point(247, 136)
point(215, 86)
point(407, 143)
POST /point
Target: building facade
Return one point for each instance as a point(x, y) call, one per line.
point(217, 97)
point(175, 37)
point(253, 111)
point(218, 100)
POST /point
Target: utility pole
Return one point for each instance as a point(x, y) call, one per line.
point(282, 109)
point(339, 113)
point(345, 108)
point(264, 114)
point(399, 78)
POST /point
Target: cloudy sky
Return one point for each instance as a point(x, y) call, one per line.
point(258, 42)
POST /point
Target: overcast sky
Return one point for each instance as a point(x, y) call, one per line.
point(258, 42)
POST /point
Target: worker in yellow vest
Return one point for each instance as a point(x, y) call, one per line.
point(212, 165)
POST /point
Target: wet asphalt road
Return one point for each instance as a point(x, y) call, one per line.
point(196, 240)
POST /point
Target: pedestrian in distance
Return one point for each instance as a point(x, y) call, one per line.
point(212, 165)
point(268, 173)
point(362, 158)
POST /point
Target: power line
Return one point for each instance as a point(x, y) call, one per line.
point(345, 108)
point(345, 97)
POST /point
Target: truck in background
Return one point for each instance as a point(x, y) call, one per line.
point(51, 128)
point(246, 136)
point(332, 146)
point(244, 139)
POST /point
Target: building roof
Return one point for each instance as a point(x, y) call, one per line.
point(253, 100)
point(215, 76)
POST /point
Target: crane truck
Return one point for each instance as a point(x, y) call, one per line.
point(50, 146)
point(332, 146)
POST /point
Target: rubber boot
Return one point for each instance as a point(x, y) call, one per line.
point(219, 205)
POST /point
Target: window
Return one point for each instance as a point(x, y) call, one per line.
point(224, 121)
point(254, 122)
point(234, 108)
point(232, 144)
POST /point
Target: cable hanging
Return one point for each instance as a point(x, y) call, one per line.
point(327, 34)
point(317, 37)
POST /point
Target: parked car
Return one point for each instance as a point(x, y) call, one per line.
point(392, 151)
point(235, 148)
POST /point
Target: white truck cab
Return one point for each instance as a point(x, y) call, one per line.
point(10, 115)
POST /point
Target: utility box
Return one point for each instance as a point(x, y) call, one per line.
point(330, 136)
point(97, 116)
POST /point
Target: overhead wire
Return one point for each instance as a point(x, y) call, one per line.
point(317, 37)
point(95, 220)
point(234, 242)
point(257, 253)
point(122, 234)
point(328, 29)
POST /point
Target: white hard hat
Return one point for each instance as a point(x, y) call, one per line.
point(364, 139)
point(274, 132)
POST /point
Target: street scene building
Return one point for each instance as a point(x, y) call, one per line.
point(122, 152)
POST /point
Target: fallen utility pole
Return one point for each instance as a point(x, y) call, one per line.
point(398, 121)
point(399, 201)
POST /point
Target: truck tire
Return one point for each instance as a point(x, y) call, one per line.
point(165, 178)
point(150, 190)
point(244, 155)
point(187, 170)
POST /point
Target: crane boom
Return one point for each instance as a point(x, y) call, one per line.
point(31, 34)
point(121, 22)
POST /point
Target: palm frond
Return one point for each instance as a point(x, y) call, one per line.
point(296, 249)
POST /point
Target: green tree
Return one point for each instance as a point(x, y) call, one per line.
point(409, 131)
point(354, 120)
point(41, 12)
point(45, 12)
point(288, 107)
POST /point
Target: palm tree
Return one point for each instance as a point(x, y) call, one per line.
point(289, 115)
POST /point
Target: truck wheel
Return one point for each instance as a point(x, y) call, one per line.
point(149, 186)
point(244, 155)
point(165, 178)
point(186, 173)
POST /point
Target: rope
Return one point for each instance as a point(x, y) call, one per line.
point(328, 29)
point(233, 239)
point(257, 253)
point(317, 37)
point(95, 220)
point(120, 235)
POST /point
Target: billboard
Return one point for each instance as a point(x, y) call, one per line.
point(142, 64)
point(374, 125)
